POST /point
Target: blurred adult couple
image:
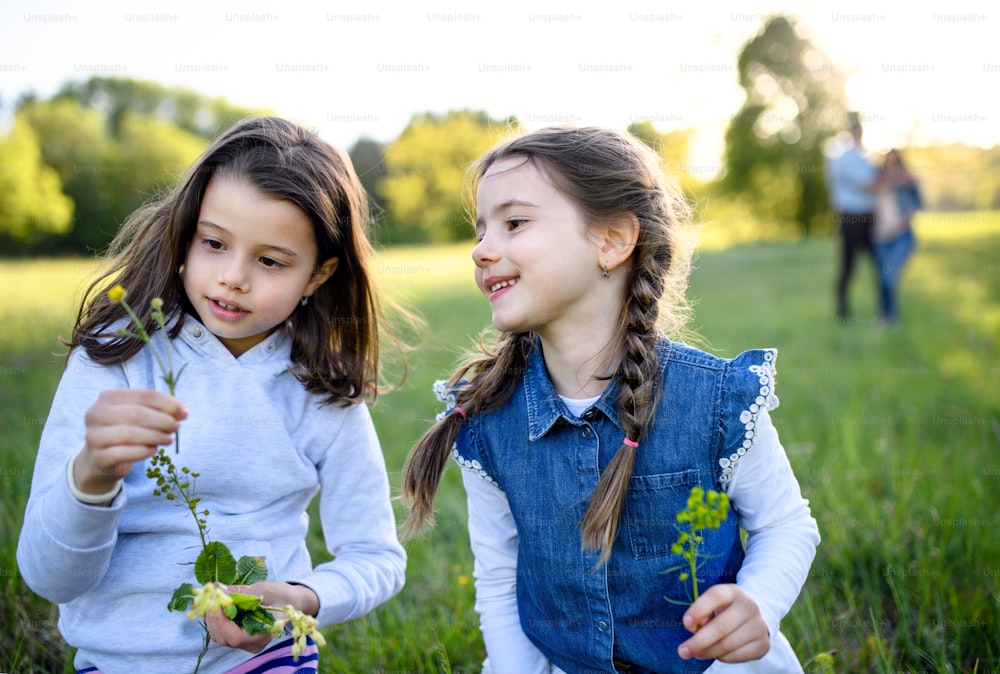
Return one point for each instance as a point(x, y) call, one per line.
point(874, 205)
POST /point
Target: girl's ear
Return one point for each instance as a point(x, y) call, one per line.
point(617, 239)
point(321, 275)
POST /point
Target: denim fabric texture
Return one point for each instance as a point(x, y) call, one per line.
point(892, 256)
point(585, 617)
point(909, 199)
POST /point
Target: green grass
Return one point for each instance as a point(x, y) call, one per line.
point(893, 434)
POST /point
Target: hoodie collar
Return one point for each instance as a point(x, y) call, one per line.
point(273, 350)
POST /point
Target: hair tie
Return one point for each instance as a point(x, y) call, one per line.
point(458, 409)
point(631, 443)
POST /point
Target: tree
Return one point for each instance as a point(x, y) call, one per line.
point(154, 154)
point(114, 97)
point(425, 172)
point(368, 157)
point(31, 198)
point(956, 176)
point(113, 143)
point(674, 148)
point(774, 144)
point(75, 143)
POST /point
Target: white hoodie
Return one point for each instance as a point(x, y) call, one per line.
point(263, 446)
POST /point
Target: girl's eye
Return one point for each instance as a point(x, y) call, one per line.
point(514, 223)
point(213, 244)
point(271, 263)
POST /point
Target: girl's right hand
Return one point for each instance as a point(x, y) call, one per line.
point(727, 626)
point(124, 426)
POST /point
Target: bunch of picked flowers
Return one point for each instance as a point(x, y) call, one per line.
point(216, 567)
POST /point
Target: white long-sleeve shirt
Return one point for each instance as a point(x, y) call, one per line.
point(264, 447)
point(781, 543)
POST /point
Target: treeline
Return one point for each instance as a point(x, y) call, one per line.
point(957, 177)
point(74, 166)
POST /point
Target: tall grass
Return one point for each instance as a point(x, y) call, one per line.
point(893, 433)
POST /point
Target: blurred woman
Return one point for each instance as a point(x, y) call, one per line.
point(897, 197)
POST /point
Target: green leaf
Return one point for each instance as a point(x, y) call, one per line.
point(245, 602)
point(215, 564)
point(257, 621)
point(250, 570)
point(181, 598)
point(230, 611)
point(675, 568)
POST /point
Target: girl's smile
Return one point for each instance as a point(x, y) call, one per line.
point(496, 284)
point(226, 311)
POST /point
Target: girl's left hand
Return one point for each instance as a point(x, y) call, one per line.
point(732, 628)
point(225, 632)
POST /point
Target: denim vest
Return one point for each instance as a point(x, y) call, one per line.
point(909, 199)
point(584, 617)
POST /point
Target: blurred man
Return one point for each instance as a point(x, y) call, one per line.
point(851, 180)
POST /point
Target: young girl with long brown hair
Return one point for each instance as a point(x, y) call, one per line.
point(583, 429)
point(259, 262)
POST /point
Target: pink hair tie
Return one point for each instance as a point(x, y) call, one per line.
point(631, 443)
point(458, 409)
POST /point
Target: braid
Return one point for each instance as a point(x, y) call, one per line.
point(637, 397)
point(495, 371)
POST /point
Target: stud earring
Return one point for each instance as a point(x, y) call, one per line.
point(304, 301)
point(180, 270)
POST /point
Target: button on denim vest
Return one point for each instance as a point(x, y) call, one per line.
point(585, 617)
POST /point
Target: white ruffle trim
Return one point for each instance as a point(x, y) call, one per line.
point(473, 465)
point(765, 400)
point(450, 399)
point(445, 395)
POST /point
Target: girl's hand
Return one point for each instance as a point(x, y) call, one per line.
point(124, 426)
point(275, 593)
point(731, 627)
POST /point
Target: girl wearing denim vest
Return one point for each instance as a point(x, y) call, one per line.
point(583, 429)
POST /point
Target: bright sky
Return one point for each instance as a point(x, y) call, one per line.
point(352, 68)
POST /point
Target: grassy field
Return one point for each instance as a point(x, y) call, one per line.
point(893, 433)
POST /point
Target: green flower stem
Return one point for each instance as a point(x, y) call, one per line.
point(144, 336)
point(204, 649)
point(170, 484)
point(692, 560)
point(117, 294)
point(168, 374)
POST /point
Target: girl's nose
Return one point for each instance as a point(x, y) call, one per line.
point(484, 252)
point(234, 275)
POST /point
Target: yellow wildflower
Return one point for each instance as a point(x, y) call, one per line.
point(209, 598)
point(825, 662)
point(117, 293)
point(705, 510)
point(302, 626)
